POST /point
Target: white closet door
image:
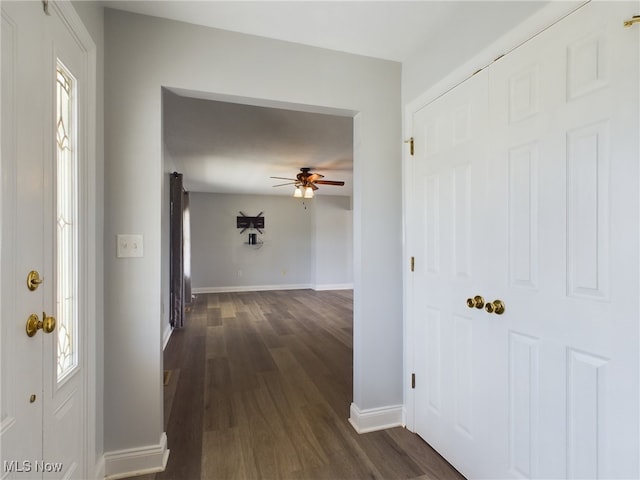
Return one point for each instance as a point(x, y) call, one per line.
point(548, 389)
point(564, 157)
point(451, 343)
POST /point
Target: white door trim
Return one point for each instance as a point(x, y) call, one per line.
point(534, 25)
point(92, 462)
point(638, 110)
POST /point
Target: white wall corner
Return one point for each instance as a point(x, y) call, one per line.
point(136, 461)
point(166, 335)
point(373, 419)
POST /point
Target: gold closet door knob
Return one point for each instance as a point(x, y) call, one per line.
point(497, 307)
point(47, 324)
point(475, 302)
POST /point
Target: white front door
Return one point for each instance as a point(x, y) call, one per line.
point(555, 392)
point(22, 219)
point(43, 429)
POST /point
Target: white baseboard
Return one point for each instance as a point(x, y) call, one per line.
point(333, 286)
point(373, 419)
point(136, 461)
point(250, 288)
point(264, 288)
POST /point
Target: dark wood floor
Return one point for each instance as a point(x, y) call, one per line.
point(260, 387)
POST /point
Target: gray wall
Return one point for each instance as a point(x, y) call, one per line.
point(296, 237)
point(143, 55)
point(332, 240)
point(223, 261)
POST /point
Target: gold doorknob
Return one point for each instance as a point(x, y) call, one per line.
point(477, 302)
point(47, 324)
point(497, 307)
point(33, 280)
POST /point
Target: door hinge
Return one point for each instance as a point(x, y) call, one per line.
point(413, 263)
point(413, 380)
point(632, 21)
point(410, 142)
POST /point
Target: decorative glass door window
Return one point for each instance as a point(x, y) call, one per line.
point(67, 222)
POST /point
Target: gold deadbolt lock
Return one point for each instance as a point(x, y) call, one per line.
point(475, 302)
point(47, 324)
point(497, 307)
point(33, 280)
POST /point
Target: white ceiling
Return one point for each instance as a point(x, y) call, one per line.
point(381, 29)
point(234, 148)
point(391, 30)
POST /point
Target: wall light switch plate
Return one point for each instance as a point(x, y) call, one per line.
point(129, 246)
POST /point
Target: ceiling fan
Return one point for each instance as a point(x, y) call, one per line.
point(307, 182)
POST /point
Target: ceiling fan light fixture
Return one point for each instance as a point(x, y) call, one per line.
point(306, 182)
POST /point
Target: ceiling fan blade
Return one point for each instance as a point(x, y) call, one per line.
point(313, 186)
point(314, 176)
point(329, 182)
point(283, 178)
point(283, 184)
